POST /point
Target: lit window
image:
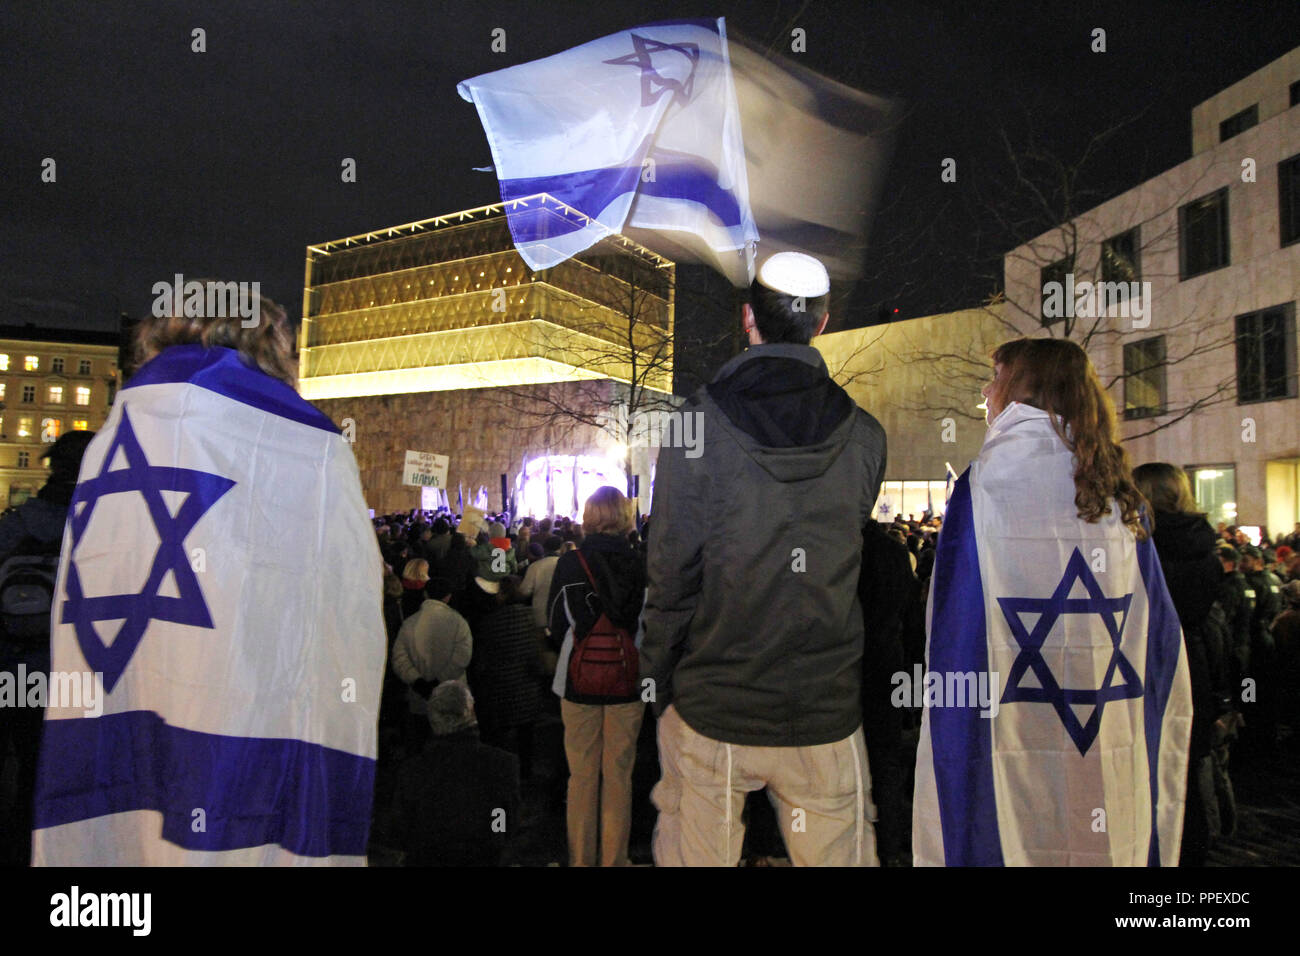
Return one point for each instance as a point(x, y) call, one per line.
point(25, 427)
point(32, 363)
point(80, 425)
point(56, 394)
point(4, 363)
point(83, 367)
point(51, 429)
point(83, 395)
point(56, 365)
point(2, 391)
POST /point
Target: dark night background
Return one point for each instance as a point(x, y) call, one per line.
point(227, 163)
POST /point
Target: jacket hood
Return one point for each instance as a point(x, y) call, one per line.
point(783, 409)
point(1183, 536)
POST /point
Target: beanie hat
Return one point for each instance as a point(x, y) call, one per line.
point(451, 708)
point(496, 530)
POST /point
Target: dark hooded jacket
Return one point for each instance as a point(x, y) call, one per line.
point(753, 624)
point(1185, 544)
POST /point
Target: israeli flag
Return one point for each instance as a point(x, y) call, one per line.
point(1082, 758)
point(221, 579)
point(639, 128)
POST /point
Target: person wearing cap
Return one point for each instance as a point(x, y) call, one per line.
point(1286, 640)
point(34, 527)
point(1237, 598)
point(456, 802)
point(753, 630)
point(1262, 731)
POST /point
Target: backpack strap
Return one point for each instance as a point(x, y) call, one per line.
point(587, 568)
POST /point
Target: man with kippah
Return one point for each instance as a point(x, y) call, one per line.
point(753, 631)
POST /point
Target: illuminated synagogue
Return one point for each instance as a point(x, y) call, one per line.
point(435, 336)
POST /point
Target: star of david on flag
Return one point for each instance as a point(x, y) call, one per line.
point(1113, 613)
point(135, 611)
point(653, 83)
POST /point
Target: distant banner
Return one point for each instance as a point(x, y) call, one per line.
point(424, 469)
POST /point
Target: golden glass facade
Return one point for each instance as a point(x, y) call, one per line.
point(448, 303)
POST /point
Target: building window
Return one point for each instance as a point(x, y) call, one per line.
point(1288, 199)
point(1055, 273)
point(56, 365)
point(1295, 93)
point(25, 426)
point(51, 429)
point(56, 395)
point(29, 394)
point(2, 391)
point(32, 363)
point(1215, 489)
point(83, 395)
point(80, 425)
point(4, 362)
point(24, 459)
point(1266, 354)
point(1238, 123)
point(83, 367)
point(1144, 378)
point(1119, 258)
point(1203, 233)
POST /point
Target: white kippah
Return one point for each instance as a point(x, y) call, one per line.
point(795, 274)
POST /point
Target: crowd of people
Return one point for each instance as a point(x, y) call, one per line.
point(763, 627)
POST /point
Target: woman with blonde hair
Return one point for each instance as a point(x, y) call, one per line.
point(415, 577)
point(1046, 588)
point(601, 576)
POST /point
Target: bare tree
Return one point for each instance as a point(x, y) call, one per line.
point(1041, 208)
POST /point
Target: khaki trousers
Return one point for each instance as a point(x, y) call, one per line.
point(821, 794)
point(600, 744)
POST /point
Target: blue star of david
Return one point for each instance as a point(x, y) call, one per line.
point(653, 85)
point(1030, 657)
point(137, 610)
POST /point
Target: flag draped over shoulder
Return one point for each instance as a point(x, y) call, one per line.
point(1085, 761)
point(640, 128)
point(221, 578)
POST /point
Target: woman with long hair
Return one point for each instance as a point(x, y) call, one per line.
point(1185, 543)
point(602, 575)
point(1046, 589)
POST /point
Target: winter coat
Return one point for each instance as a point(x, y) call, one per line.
point(621, 580)
point(505, 671)
point(1185, 545)
point(753, 625)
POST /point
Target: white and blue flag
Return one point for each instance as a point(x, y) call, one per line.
point(638, 129)
point(1083, 760)
point(220, 577)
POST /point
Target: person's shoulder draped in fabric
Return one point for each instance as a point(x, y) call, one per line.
point(1074, 752)
point(221, 578)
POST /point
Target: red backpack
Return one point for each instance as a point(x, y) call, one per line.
point(604, 663)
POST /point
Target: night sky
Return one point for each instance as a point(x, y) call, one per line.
point(227, 163)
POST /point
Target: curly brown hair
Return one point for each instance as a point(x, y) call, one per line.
point(1057, 376)
point(267, 345)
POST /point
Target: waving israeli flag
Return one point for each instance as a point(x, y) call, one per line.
point(221, 579)
point(1084, 759)
point(638, 128)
